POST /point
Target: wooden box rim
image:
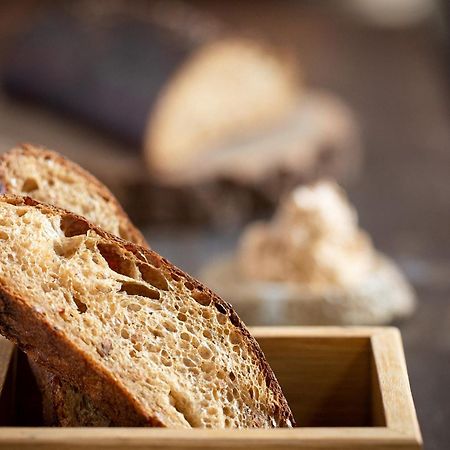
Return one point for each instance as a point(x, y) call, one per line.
point(401, 430)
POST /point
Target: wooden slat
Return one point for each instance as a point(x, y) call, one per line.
point(394, 384)
point(140, 438)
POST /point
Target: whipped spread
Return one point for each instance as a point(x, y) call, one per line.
point(313, 239)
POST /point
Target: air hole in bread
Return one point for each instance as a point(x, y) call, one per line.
point(139, 289)
point(189, 285)
point(151, 258)
point(201, 297)
point(222, 319)
point(235, 338)
point(153, 277)
point(185, 336)
point(65, 177)
point(157, 332)
point(205, 352)
point(134, 307)
point(115, 260)
point(220, 308)
point(30, 185)
point(153, 348)
point(208, 367)
point(234, 319)
point(82, 308)
point(207, 314)
point(195, 342)
point(174, 277)
point(166, 361)
point(165, 358)
point(251, 393)
point(21, 211)
point(124, 333)
point(169, 326)
point(3, 235)
point(72, 226)
point(207, 334)
point(67, 247)
point(137, 337)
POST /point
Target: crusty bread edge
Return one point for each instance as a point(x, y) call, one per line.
point(48, 347)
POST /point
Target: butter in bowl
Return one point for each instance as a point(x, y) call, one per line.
point(311, 265)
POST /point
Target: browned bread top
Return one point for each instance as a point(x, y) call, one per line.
point(143, 340)
point(49, 177)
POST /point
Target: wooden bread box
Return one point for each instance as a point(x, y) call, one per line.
point(348, 389)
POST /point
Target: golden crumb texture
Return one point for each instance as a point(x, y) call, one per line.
point(144, 341)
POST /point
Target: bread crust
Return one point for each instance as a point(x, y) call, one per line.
point(29, 329)
point(26, 149)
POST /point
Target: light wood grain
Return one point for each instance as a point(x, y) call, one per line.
point(396, 398)
point(337, 370)
point(351, 380)
point(132, 438)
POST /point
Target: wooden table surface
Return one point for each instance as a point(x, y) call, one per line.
point(397, 82)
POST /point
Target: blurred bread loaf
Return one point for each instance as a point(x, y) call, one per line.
point(145, 342)
point(165, 76)
point(197, 99)
point(228, 90)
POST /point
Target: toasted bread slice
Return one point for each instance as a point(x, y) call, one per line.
point(143, 340)
point(49, 177)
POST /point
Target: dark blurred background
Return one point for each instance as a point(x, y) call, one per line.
point(389, 60)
